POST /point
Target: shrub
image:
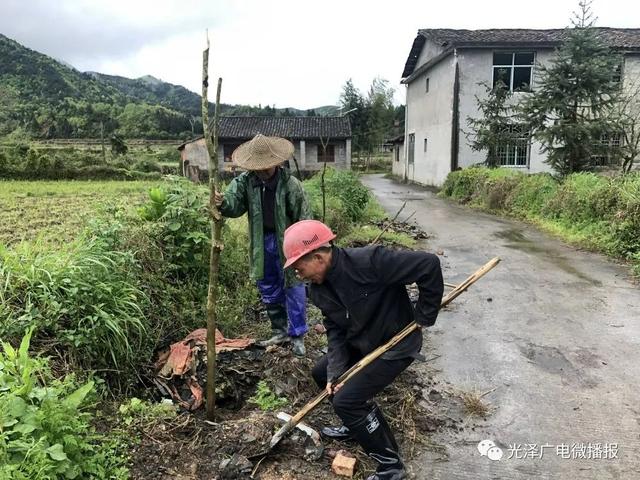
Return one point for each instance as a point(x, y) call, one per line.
point(597, 211)
point(345, 197)
point(84, 298)
point(146, 164)
point(46, 434)
point(464, 185)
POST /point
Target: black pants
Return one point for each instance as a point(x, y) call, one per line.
point(351, 401)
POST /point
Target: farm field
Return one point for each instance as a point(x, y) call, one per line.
point(55, 212)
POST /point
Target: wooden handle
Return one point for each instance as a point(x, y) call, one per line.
point(366, 360)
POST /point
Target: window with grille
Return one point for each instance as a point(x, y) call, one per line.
point(412, 147)
point(326, 154)
point(607, 150)
point(513, 69)
point(515, 152)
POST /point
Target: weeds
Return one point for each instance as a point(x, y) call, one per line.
point(140, 413)
point(45, 432)
point(265, 399)
point(474, 404)
point(83, 297)
point(602, 213)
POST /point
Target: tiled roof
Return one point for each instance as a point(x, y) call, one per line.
point(621, 38)
point(286, 127)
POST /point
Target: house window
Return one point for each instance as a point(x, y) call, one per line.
point(607, 150)
point(616, 76)
point(514, 69)
point(326, 154)
point(425, 145)
point(426, 85)
point(516, 152)
point(412, 147)
point(227, 150)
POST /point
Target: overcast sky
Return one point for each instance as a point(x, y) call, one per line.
point(285, 52)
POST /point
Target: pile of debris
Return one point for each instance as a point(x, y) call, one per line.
point(411, 229)
point(190, 447)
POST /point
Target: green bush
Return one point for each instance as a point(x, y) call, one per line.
point(464, 185)
point(45, 432)
point(84, 298)
point(346, 199)
point(146, 164)
point(596, 211)
point(179, 210)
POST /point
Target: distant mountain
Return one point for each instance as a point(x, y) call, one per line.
point(47, 98)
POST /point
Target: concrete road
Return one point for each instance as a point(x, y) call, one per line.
point(554, 330)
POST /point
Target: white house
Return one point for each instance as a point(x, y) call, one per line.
point(443, 75)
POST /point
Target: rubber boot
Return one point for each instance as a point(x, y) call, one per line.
point(297, 346)
point(278, 316)
point(376, 439)
point(337, 433)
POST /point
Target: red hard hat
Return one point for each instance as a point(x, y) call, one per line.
point(304, 237)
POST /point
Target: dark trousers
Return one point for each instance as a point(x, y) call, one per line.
point(352, 402)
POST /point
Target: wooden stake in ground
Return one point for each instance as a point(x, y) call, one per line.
point(211, 139)
point(324, 169)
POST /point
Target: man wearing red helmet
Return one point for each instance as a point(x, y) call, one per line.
point(362, 295)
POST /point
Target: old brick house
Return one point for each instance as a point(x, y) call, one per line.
point(306, 133)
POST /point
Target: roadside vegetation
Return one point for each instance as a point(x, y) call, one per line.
point(593, 211)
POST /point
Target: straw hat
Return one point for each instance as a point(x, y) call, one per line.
point(262, 152)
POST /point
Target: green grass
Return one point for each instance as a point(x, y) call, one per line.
point(57, 211)
point(593, 211)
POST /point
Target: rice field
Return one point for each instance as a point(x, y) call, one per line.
point(56, 212)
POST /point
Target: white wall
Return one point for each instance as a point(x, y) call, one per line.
point(476, 66)
point(397, 167)
point(429, 50)
point(429, 115)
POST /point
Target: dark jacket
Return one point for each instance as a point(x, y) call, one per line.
point(244, 194)
point(365, 302)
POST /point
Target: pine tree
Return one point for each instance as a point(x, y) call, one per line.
point(568, 110)
point(352, 101)
point(494, 130)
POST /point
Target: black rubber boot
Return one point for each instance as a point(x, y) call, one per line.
point(279, 321)
point(337, 433)
point(376, 439)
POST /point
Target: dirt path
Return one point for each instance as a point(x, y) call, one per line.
point(556, 333)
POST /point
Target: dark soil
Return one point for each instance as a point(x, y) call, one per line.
point(189, 447)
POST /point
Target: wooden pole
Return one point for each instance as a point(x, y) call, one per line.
point(211, 141)
point(324, 169)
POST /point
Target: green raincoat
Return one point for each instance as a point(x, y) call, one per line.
point(244, 194)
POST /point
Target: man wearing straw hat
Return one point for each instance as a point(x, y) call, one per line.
point(362, 295)
point(274, 200)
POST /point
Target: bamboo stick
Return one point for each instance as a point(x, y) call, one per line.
point(216, 230)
